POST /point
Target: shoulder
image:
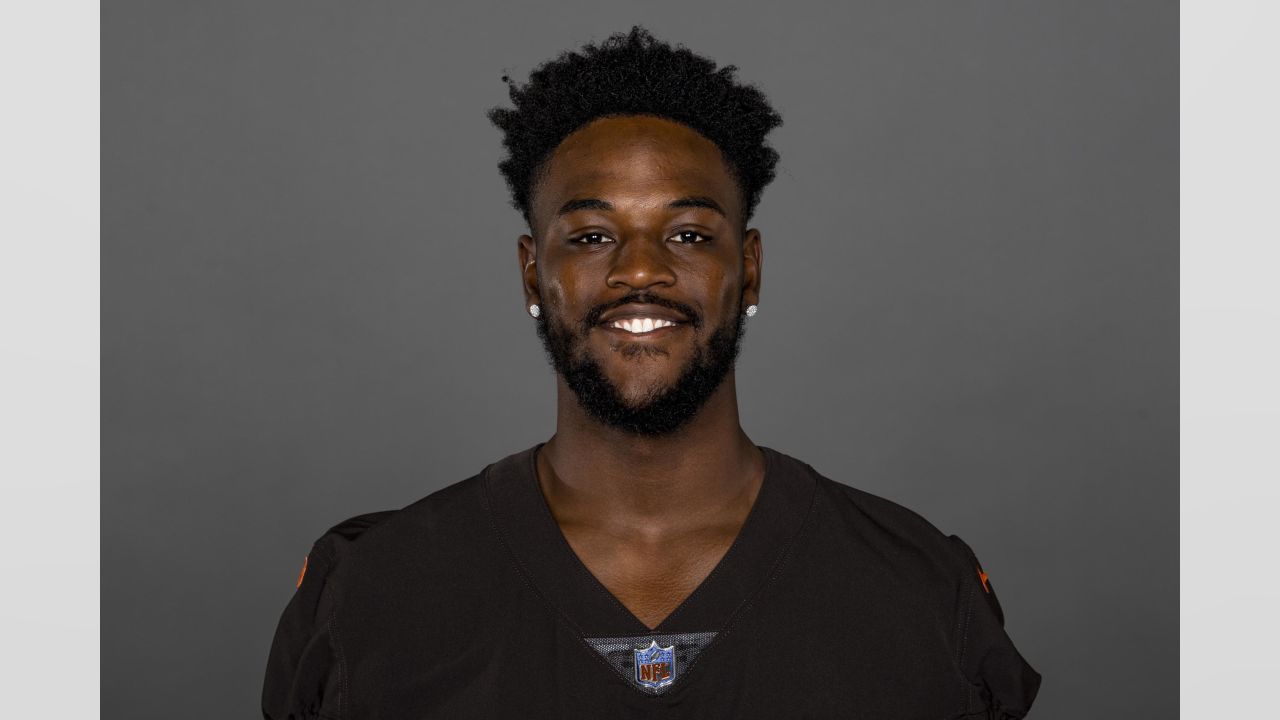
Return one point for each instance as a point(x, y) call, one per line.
point(885, 514)
point(448, 512)
point(903, 540)
point(302, 673)
point(416, 534)
point(901, 548)
point(871, 525)
point(349, 531)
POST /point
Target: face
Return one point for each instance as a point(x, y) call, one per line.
point(642, 270)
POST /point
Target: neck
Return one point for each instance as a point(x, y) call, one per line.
point(706, 473)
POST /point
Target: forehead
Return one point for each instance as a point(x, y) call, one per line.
point(632, 160)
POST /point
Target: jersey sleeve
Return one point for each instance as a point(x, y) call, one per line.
point(301, 670)
point(302, 677)
point(1005, 682)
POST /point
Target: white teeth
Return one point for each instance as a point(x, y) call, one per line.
point(641, 325)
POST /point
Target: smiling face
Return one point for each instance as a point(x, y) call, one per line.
point(642, 270)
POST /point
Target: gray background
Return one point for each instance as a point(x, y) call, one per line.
point(312, 305)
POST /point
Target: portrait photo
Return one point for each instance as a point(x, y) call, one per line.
point(661, 359)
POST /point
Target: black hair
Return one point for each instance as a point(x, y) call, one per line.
point(635, 74)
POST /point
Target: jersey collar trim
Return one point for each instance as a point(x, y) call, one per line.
point(534, 539)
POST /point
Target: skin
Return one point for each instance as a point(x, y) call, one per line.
point(649, 517)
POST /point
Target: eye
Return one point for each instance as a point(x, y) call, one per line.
point(591, 239)
point(689, 237)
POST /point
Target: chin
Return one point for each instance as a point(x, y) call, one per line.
point(636, 393)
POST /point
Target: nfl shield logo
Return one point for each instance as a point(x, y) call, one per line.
point(655, 666)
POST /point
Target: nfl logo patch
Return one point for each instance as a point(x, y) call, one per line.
point(655, 666)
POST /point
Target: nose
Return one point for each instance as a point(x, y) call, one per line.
point(640, 262)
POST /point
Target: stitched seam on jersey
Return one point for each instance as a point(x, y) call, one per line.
point(963, 629)
point(749, 601)
point(343, 689)
point(326, 554)
point(330, 563)
point(325, 568)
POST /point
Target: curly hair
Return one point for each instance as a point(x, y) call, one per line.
point(635, 74)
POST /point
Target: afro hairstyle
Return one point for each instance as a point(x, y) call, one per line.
point(635, 74)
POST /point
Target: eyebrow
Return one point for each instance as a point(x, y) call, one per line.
point(698, 202)
point(598, 204)
point(584, 204)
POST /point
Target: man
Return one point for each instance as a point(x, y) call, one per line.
point(649, 559)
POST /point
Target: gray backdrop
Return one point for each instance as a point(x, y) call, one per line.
point(312, 304)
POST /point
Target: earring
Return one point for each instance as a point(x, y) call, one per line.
point(751, 311)
point(535, 311)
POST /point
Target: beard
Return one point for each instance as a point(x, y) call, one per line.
point(663, 410)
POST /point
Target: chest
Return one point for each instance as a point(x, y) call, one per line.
point(800, 651)
point(651, 577)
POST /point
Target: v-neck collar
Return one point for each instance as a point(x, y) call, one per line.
point(524, 519)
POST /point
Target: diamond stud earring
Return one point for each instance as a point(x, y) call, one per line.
point(535, 311)
point(751, 311)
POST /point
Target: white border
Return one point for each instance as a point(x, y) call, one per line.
point(1230, 491)
point(49, 286)
point(49, 473)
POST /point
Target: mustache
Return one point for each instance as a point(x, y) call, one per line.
point(593, 317)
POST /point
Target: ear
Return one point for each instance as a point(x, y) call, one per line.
point(527, 249)
point(752, 262)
